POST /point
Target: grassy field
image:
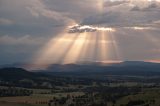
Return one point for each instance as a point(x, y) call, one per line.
point(15, 104)
point(148, 96)
point(33, 100)
point(25, 100)
point(41, 97)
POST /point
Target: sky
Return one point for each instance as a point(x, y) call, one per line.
point(66, 31)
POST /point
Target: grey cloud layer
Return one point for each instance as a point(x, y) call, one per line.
point(123, 13)
point(26, 25)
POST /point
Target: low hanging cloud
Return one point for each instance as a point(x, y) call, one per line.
point(86, 28)
point(109, 3)
point(81, 29)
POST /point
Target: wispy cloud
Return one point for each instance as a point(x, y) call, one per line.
point(24, 40)
point(4, 21)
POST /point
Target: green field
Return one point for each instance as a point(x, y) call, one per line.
point(151, 96)
point(35, 99)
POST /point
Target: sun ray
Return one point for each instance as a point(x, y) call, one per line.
point(48, 50)
point(152, 39)
point(104, 49)
point(101, 5)
point(55, 50)
point(83, 55)
point(90, 52)
point(95, 57)
point(64, 47)
point(75, 50)
point(74, 47)
point(115, 46)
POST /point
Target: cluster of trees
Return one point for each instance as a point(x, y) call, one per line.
point(45, 82)
point(96, 96)
point(5, 92)
point(84, 100)
point(140, 103)
point(136, 102)
point(21, 78)
point(58, 101)
point(121, 90)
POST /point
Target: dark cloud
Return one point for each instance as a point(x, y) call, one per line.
point(81, 29)
point(136, 8)
point(152, 6)
point(87, 28)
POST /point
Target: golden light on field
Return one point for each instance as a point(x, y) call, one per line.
point(104, 48)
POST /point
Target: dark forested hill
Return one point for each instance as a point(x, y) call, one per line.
point(16, 74)
point(58, 74)
point(124, 68)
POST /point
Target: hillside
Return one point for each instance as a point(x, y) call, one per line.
point(124, 68)
point(57, 75)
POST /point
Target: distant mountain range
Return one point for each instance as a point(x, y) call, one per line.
point(56, 74)
point(119, 68)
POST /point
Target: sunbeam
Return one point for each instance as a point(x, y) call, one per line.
point(153, 41)
point(104, 48)
point(74, 52)
point(101, 5)
point(89, 42)
point(69, 48)
point(147, 33)
point(89, 53)
point(118, 55)
point(83, 56)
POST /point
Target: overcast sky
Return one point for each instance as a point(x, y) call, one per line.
point(27, 25)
